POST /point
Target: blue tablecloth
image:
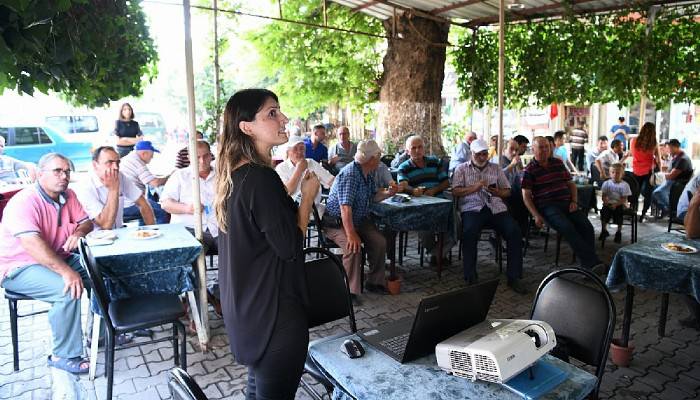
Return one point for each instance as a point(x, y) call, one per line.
point(377, 376)
point(647, 265)
point(162, 264)
point(423, 213)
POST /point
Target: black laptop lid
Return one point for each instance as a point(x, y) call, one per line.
point(444, 315)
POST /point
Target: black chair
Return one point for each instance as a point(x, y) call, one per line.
point(582, 316)
point(629, 216)
point(387, 159)
point(329, 299)
point(677, 190)
point(12, 299)
point(128, 315)
point(183, 387)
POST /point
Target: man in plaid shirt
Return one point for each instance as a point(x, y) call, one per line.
point(481, 187)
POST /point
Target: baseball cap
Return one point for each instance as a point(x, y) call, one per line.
point(293, 141)
point(478, 146)
point(369, 148)
point(145, 145)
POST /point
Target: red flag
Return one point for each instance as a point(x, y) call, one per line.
point(553, 111)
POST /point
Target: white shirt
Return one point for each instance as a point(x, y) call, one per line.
point(286, 169)
point(616, 191)
point(92, 194)
point(179, 188)
point(608, 158)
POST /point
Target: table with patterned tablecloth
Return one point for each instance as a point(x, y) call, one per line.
point(422, 213)
point(377, 376)
point(647, 265)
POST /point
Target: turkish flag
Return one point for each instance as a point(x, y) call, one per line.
point(553, 111)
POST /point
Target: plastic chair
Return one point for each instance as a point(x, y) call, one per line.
point(12, 299)
point(183, 387)
point(329, 300)
point(582, 316)
point(128, 315)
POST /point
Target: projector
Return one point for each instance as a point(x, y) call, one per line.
point(495, 350)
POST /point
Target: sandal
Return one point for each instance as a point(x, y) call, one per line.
point(72, 365)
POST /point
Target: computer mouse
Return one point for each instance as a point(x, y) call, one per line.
point(352, 348)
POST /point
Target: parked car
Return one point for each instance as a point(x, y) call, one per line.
point(30, 143)
point(77, 128)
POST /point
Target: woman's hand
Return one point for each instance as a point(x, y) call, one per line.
point(309, 185)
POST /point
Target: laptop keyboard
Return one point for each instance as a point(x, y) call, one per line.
point(397, 344)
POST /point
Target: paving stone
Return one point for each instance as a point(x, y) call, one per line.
point(212, 392)
point(150, 393)
point(655, 380)
point(671, 393)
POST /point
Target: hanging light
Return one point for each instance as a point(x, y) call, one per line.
point(515, 5)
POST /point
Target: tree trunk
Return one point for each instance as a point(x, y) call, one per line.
point(411, 85)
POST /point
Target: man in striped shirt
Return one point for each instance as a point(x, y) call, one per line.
point(423, 175)
point(481, 187)
point(550, 195)
point(134, 166)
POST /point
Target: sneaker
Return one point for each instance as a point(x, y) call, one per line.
point(690, 322)
point(641, 218)
point(618, 237)
point(517, 286)
point(603, 234)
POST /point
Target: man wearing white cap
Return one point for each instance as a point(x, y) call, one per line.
point(347, 221)
point(292, 170)
point(481, 187)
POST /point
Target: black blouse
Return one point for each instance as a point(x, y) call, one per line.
point(260, 259)
point(127, 129)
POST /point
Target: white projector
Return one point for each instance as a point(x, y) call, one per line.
point(495, 350)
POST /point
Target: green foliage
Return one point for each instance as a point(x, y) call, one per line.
point(91, 51)
point(598, 58)
point(314, 67)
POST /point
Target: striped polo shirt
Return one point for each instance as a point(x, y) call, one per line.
point(133, 167)
point(548, 184)
point(431, 175)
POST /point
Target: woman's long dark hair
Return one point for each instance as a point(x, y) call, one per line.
point(647, 137)
point(131, 109)
point(235, 146)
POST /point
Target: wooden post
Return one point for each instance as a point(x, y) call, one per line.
point(501, 72)
point(217, 79)
point(202, 322)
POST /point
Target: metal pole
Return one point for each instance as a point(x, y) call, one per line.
point(501, 71)
point(202, 320)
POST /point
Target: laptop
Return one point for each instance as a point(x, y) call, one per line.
point(438, 318)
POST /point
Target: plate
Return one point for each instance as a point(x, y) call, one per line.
point(102, 235)
point(679, 248)
point(144, 234)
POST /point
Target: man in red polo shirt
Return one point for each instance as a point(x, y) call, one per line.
point(550, 195)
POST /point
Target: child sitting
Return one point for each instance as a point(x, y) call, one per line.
point(615, 192)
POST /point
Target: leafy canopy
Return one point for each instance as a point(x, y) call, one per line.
point(598, 58)
point(314, 67)
point(91, 51)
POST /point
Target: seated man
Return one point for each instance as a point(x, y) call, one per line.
point(315, 149)
point(594, 153)
point(347, 221)
point(512, 167)
point(292, 171)
point(689, 192)
point(182, 159)
point(103, 194)
point(481, 187)
point(41, 225)
point(692, 231)
point(607, 158)
point(424, 175)
point(550, 195)
point(177, 198)
point(462, 153)
point(343, 152)
point(10, 167)
point(134, 166)
point(681, 170)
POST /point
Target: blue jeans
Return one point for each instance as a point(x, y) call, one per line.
point(576, 229)
point(472, 224)
point(661, 195)
point(41, 283)
point(133, 212)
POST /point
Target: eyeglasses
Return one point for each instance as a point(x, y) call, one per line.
point(57, 172)
point(482, 154)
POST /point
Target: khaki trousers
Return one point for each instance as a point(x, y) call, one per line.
point(375, 247)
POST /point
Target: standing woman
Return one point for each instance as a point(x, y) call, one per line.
point(645, 156)
point(127, 130)
point(261, 264)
